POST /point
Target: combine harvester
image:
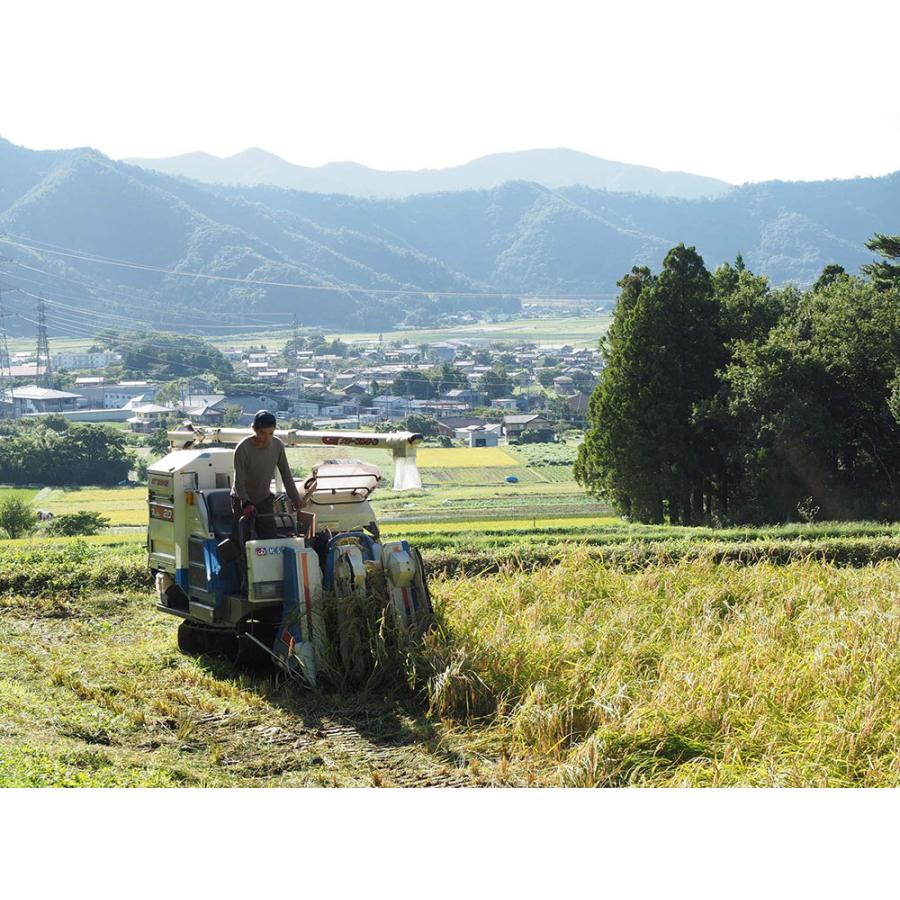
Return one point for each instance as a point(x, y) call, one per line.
point(290, 599)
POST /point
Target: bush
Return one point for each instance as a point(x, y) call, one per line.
point(71, 524)
point(71, 570)
point(17, 518)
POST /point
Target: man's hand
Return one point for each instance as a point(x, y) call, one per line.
point(248, 510)
point(310, 486)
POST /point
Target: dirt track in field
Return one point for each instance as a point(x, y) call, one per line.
point(101, 694)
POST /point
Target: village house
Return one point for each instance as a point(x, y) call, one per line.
point(467, 396)
point(479, 435)
point(514, 426)
point(564, 385)
point(148, 417)
point(449, 426)
point(391, 407)
point(31, 399)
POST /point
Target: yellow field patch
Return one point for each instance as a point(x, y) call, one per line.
point(92, 495)
point(464, 457)
point(498, 524)
point(122, 506)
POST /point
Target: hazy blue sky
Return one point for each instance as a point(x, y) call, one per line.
point(743, 92)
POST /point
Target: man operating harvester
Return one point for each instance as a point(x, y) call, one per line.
point(255, 459)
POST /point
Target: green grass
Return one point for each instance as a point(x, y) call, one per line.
point(26, 494)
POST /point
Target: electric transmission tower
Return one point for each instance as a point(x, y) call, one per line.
point(44, 376)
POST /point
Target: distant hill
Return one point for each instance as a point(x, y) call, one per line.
point(550, 168)
point(517, 238)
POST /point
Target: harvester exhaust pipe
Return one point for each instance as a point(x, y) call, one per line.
point(402, 444)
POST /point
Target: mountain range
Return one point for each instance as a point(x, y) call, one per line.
point(60, 211)
point(550, 168)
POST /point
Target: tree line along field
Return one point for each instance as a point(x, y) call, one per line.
point(590, 672)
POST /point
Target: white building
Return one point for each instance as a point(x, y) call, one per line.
point(84, 360)
point(115, 396)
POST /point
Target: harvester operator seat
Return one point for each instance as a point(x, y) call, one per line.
point(218, 505)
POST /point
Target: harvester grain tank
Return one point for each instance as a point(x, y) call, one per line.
point(273, 598)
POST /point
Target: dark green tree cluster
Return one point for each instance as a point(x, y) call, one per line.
point(165, 356)
point(46, 453)
point(497, 383)
point(723, 399)
point(426, 385)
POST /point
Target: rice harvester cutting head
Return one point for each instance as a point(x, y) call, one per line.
point(291, 598)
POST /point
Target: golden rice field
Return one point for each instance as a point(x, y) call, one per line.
point(464, 457)
point(692, 674)
point(121, 505)
point(523, 525)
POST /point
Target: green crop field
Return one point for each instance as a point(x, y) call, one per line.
point(578, 331)
point(27, 494)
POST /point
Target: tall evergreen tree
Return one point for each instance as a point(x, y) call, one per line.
point(645, 449)
point(884, 275)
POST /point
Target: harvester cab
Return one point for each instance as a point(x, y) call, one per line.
point(279, 598)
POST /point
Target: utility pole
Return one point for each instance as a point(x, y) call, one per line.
point(43, 348)
point(6, 379)
point(295, 339)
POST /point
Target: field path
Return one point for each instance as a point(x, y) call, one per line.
point(362, 760)
point(94, 692)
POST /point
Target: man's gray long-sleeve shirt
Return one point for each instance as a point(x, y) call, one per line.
point(254, 468)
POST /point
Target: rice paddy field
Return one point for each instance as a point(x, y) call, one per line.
point(571, 648)
point(121, 505)
point(586, 673)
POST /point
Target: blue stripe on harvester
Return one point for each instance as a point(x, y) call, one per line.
point(412, 587)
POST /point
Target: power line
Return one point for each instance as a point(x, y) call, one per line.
point(344, 288)
point(119, 292)
point(112, 320)
point(77, 331)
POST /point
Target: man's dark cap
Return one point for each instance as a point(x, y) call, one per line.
point(264, 419)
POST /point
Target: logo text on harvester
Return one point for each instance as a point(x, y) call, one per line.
point(269, 551)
